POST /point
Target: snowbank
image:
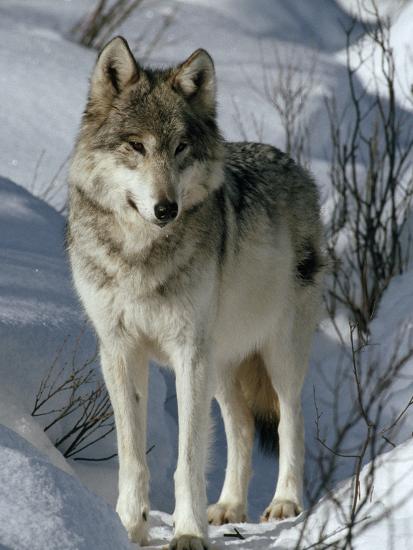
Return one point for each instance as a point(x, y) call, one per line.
point(38, 307)
point(43, 507)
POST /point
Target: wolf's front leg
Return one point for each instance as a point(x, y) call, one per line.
point(194, 385)
point(126, 377)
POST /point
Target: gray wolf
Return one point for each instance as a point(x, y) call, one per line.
point(205, 256)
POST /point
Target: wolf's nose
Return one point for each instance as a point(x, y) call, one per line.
point(166, 211)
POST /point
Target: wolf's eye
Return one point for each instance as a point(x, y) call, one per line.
point(181, 147)
point(138, 146)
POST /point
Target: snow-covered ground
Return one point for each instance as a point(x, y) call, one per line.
point(384, 524)
point(42, 506)
point(43, 85)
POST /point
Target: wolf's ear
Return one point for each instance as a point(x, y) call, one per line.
point(195, 79)
point(115, 69)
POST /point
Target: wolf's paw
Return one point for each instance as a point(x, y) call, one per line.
point(218, 514)
point(135, 523)
point(188, 542)
point(281, 509)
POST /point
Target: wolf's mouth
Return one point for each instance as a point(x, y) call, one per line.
point(160, 223)
point(132, 203)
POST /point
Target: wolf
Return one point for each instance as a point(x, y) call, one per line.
point(206, 256)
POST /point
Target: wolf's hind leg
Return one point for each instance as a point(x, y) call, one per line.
point(286, 358)
point(239, 429)
point(287, 367)
point(126, 377)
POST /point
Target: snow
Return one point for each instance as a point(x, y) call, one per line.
point(43, 507)
point(43, 85)
point(391, 498)
point(37, 304)
point(13, 417)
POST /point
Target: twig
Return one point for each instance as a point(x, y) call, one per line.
point(236, 535)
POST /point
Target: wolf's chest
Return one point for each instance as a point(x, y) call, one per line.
point(146, 309)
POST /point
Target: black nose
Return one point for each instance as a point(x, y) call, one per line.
point(166, 211)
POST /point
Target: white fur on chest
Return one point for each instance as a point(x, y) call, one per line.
point(235, 310)
point(159, 324)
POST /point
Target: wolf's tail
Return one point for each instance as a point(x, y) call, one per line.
point(262, 400)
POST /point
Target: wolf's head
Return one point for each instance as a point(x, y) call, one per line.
point(149, 140)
